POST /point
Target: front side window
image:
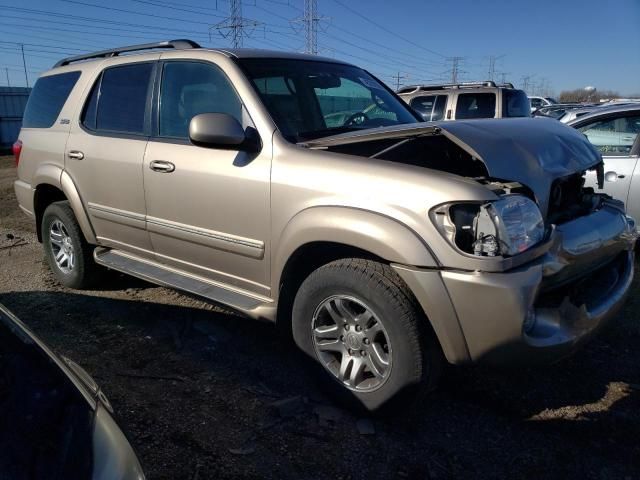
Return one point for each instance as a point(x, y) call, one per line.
point(47, 99)
point(476, 105)
point(189, 89)
point(118, 100)
point(613, 136)
point(312, 99)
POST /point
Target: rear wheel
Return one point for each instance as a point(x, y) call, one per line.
point(359, 322)
point(67, 252)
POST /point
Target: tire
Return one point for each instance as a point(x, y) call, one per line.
point(379, 310)
point(61, 233)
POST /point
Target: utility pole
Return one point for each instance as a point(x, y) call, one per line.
point(24, 64)
point(397, 78)
point(6, 70)
point(235, 26)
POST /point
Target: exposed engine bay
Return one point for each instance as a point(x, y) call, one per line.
point(494, 228)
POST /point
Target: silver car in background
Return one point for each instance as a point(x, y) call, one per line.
point(614, 132)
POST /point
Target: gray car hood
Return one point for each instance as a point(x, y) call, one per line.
point(532, 151)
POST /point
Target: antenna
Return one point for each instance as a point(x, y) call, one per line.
point(235, 26)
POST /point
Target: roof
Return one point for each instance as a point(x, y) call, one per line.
point(183, 44)
point(598, 111)
point(488, 84)
point(260, 53)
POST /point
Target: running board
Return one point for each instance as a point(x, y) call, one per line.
point(161, 275)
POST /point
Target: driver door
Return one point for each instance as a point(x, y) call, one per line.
point(208, 209)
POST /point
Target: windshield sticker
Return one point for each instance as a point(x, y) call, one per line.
point(367, 82)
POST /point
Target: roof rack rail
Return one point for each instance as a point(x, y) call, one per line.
point(443, 86)
point(177, 44)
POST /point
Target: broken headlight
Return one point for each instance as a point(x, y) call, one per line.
point(504, 227)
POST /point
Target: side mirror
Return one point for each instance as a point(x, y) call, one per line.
point(221, 130)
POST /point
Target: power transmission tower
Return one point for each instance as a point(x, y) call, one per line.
point(503, 77)
point(526, 83)
point(397, 79)
point(310, 21)
point(455, 68)
point(236, 26)
point(492, 66)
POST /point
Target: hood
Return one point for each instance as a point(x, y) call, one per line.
point(532, 151)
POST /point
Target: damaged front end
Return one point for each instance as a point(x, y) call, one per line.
point(533, 271)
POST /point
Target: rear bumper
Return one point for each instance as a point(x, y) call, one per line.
point(542, 311)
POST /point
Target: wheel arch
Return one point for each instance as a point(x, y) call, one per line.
point(48, 191)
point(319, 235)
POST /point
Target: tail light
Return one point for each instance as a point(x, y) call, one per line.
point(17, 149)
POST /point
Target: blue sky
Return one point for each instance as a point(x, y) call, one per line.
point(561, 44)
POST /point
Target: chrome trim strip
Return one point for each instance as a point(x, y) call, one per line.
point(211, 238)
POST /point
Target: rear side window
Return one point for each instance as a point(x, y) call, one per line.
point(431, 107)
point(515, 103)
point(47, 99)
point(476, 105)
point(118, 100)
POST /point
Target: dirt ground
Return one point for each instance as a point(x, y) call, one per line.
point(194, 388)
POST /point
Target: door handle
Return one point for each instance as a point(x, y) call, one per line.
point(162, 166)
point(75, 154)
point(612, 176)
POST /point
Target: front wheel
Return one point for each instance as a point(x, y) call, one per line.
point(67, 252)
point(360, 323)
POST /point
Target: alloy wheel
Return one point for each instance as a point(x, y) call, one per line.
point(351, 343)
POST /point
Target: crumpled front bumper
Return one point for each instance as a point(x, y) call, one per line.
point(541, 311)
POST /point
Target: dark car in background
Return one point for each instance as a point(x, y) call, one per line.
point(56, 423)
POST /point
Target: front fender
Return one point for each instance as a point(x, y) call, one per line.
point(378, 234)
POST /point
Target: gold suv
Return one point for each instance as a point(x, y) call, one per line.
point(302, 190)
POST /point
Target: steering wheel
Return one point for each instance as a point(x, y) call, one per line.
point(358, 118)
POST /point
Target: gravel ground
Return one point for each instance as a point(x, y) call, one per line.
point(194, 387)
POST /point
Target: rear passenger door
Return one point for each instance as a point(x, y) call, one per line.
point(207, 208)
point(105, 151)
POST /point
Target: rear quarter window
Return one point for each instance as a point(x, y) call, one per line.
point(476, 105)
point(47, 98)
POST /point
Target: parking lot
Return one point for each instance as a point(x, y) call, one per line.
point(203, 393)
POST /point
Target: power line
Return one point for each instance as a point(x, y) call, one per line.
point(382, 27)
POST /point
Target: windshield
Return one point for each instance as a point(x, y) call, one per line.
point(309, 99)
point(551, 100)
point(515, 103)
